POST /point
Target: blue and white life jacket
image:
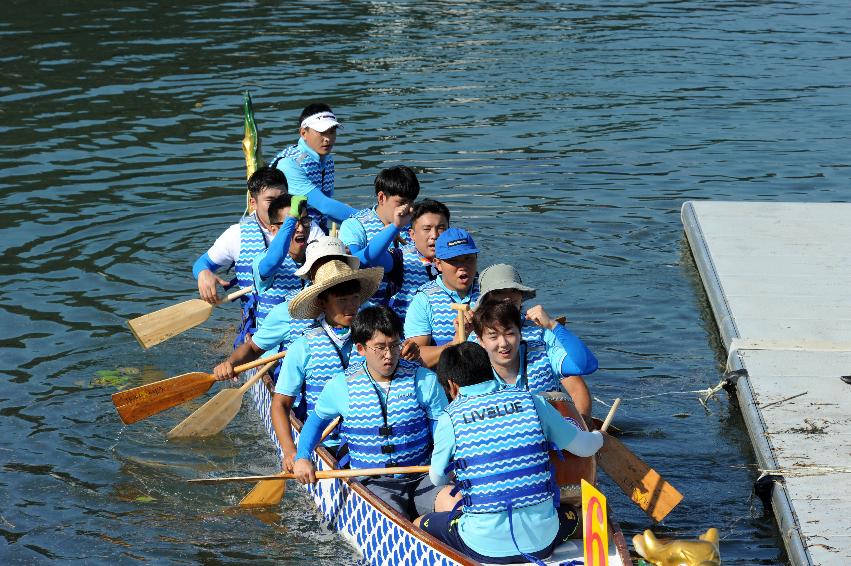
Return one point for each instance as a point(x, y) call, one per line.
point(326, 360)
point(501, 457)
point(385, 434)
point(416, 272)
point(535, 366)
point(252, 242)
point(285, 281)
point(320, 173)
point(372, 225)
point(297, 327)
point(442, 315)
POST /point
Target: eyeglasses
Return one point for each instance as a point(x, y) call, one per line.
point(304, 221)
point(383, 350)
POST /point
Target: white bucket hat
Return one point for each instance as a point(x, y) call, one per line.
point(325, 246)
point(329, 274)
point(502, 276)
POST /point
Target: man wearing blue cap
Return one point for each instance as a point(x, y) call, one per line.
point(430, 321)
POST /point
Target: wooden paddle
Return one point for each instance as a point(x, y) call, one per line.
point(321, 474)
point(214, 415)
point(641, 483)
point(141, 402)
point(461, 308)
point(270, 492)
point(158, 326)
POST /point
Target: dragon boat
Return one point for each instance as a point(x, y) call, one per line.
point(382, 536)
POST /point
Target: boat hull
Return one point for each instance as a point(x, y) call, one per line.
point(381, 535)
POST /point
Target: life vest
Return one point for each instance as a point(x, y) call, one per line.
point(285, 280)
point(320, 173)
point(252, 242)
point(326, 360)
point(298, 326)
point(416, 272)
point(536, 367)
point(501, 457)
point(442, 315)
point(372, 225)
point(531, 331)
point(385, 434)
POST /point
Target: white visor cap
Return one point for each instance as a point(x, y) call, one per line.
point(321, 122)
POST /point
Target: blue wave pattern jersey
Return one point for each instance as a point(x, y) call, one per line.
point(305, 171)
point(417, 271)
point(539, 373)
point(501, 460)
point(393, 431)
point(430, 311)
point(357, 231)
point(534, 526)
point(283, 282)
point(279, 329)
point(252, 242)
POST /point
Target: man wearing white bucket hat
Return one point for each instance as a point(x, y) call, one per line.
point(309, 165)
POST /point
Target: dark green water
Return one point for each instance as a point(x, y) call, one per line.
point(566, 136)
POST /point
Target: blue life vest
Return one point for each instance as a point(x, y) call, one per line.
point(536, 367)
point(252, 242)
point(320, 173)
point(326, 360)
point(531, 331)
point(442, 315)
point(395, 433)
point(416, 272)
point(372, 225)
point(285, 280)
point(501, 457)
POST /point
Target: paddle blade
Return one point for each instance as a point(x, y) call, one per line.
point(265, 494)
point(159, 326)
point(141, 402)
point(641, 483)
point(211, 418)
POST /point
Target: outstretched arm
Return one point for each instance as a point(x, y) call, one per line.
point(334, 209)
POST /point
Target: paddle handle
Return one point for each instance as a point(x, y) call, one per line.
point(329, 429)
point(611, 415)
point(259, 362)
point(237, 294)
point(254, 378)
point(321, 474)
point(461, 308)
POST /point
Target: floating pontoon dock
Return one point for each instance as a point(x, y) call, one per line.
point(778, 277)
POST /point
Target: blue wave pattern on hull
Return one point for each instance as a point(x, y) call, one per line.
point(379, 540)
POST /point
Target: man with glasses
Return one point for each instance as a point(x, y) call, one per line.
point(389, 406)
point(430, 321)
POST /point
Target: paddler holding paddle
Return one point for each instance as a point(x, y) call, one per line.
point(389, 408)
point(495, 440)
point(396, 189)
point(533, 365)
point(241, 243)
point(430, 321)
point(412, 266)
point(309, 165)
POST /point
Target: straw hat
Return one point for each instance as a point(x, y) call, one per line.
point(325, 246)
point(329, 274)
point(503, 276)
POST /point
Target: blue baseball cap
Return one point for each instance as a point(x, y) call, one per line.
point(454, 242)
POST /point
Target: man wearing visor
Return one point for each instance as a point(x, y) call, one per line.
point(309, 166)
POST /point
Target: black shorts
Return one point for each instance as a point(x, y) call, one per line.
point(444, 526)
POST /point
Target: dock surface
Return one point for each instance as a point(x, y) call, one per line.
point(778, 278)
